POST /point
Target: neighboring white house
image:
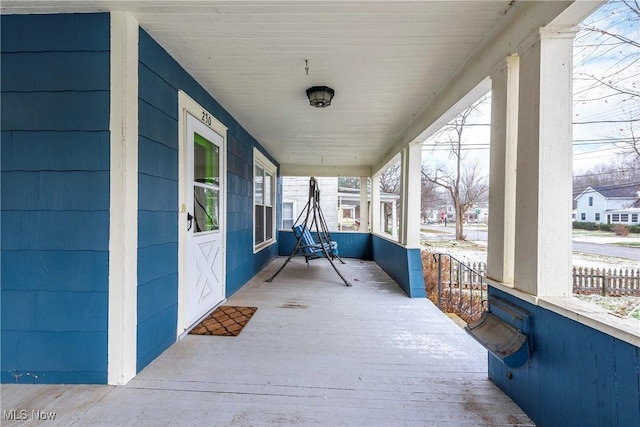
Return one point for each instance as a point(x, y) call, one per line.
point(295, 194)
point(340, 206)
point(618, 204)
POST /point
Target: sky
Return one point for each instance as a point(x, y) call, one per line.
point(598, 113)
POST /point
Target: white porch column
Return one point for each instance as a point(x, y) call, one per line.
point(364, 204)
point(502, 173)
point(543, 201)
point(411, 161)
point(376, 227)
point(123, 207)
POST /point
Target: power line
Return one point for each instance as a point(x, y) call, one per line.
point(595, 122)
point(601, 173)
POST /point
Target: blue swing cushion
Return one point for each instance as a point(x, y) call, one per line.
point(310, 247)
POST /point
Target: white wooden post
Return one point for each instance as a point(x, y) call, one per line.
point(411, 161)
point(543, 201)
point(502, 173)
point(376, 227)
point(364, 205)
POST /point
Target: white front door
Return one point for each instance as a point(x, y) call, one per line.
point(204, 240)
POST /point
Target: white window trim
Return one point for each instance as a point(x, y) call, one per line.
point(261, 160)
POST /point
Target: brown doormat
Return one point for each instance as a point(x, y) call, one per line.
point(226, 320)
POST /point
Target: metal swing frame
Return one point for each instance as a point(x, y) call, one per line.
point(313, 216)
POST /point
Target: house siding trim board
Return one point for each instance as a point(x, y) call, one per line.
point(123, 227)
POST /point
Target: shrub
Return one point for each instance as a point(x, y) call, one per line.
point(454, 300)
point(634, 229)
point(585, 225)
point(621, 230)
point(430, 272)
point(605, 227)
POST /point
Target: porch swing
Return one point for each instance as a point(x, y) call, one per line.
point(306, 245)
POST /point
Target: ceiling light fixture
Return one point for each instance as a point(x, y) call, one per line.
point(320, 96)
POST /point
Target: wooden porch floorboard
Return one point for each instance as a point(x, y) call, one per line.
point(315, 353)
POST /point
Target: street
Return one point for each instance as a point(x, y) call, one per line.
point(480, 234)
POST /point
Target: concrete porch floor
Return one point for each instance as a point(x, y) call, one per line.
point(315, 353)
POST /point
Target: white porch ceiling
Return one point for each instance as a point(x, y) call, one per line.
point(386, 61)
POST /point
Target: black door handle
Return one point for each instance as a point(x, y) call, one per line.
point(190, 219)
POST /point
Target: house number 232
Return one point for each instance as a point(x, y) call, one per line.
point(206, 118)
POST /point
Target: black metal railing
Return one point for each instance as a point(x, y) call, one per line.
point(460, 288)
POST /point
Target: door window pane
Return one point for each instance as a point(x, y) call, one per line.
point(206, 208)
point(206, 181)
point(206, 161)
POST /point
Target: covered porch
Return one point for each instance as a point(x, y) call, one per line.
point(315, 353)
point(101, 105)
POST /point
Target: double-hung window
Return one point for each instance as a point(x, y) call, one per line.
point(264, 198)
point(288, 213)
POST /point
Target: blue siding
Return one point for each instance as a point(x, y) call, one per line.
point(55, 197)
point(350, 245)
point(83, 151)
point(56, 33)
point(577, 376)
point(403, 265)
point(160, 78)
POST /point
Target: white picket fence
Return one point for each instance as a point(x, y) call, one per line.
point(604, 281)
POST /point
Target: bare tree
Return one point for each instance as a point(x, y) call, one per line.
point(608, 71)
point(474, 189)
point(621, 171)
point(430, 196)
point(463, 183)
point(348, 182)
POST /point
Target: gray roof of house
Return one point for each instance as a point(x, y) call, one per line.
point(629, 191)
